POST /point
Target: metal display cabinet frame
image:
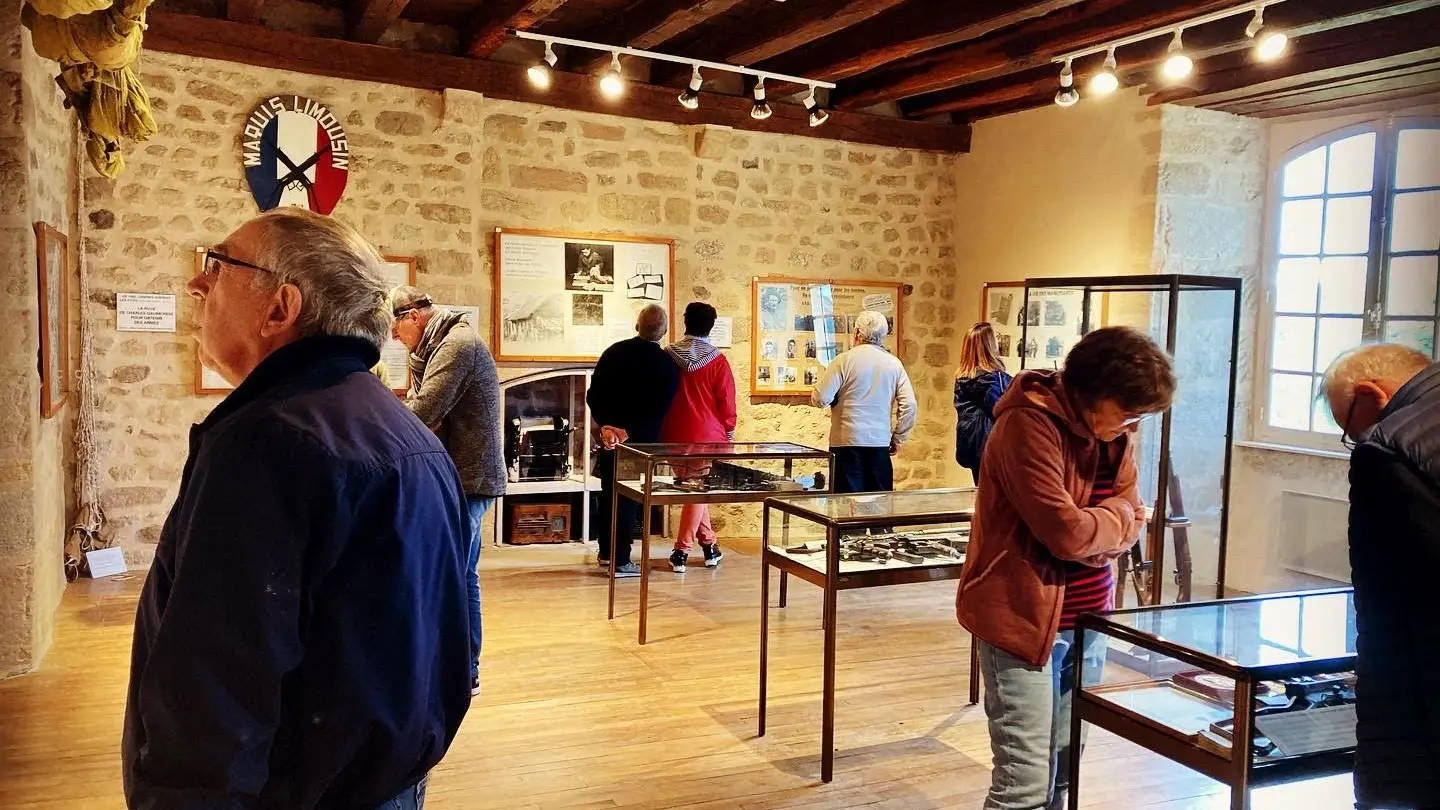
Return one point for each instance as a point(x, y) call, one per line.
point(650, 457)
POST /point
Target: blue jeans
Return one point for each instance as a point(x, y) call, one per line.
point(411, 798)
point(479, 505)
point(1029, 712)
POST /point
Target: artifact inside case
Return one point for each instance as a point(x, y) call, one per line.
point(720, 475)
point(918, 547)
point(538, 448)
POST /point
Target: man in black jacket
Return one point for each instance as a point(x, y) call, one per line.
point(302, 639)
point(630, 392)
point(1386, 399)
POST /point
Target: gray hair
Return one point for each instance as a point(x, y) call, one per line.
point(871, 327)
point(341, 277)
point(1375, 363)
point(652, 323)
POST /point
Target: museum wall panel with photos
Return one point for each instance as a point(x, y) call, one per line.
point(798, 326)
point(432, 175)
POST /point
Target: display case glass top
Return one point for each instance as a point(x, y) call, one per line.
point(1259, 636)
point(893, 507)
point(726, 449)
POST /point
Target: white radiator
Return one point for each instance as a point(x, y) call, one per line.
point(1313, 535)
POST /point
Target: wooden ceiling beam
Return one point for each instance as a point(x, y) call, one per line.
point(219, 39)
point(648, 23)
point(367, 20)
point(1392, 100)
point(1355, 92)
point(1093, 24)
point(244, 11)
point(496, 18)
point(775, 29)
point(907, 30)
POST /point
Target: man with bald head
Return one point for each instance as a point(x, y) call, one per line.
point(1386, 399)
point(302, 636)
point(630, 391)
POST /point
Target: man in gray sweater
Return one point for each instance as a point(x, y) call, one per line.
point(455, 390)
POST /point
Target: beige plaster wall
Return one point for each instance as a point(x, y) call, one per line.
point(433, 174)
point(36, 177)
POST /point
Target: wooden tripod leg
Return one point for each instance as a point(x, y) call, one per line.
point(1180, 529)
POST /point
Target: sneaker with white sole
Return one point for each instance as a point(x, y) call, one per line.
point(627, 570)
point(713, 555)
point(603, 563)
point(678, 561)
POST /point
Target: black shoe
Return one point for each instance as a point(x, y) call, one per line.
point(678, 559)
point(474, 687)
point(713, 555)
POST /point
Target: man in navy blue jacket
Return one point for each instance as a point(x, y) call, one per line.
point(302, 640)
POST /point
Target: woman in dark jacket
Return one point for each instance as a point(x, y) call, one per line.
point(979, 382)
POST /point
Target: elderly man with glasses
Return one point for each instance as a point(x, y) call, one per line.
point(302, 638)
point(455, 389)
point(1386, 400)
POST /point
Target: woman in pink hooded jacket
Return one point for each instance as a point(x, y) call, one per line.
point(703, 411)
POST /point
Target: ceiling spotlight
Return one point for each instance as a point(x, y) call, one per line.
point(690, 98)
point(612, 84)
point(761, 110)
point(1270, 42)
point(1177, 65)
point(817, 115)
point(1067, 95)
point(1105, 82)
point(539, 72)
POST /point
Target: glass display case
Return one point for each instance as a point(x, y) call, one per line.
point(1269, 676)
point(862, 540)
point(709, 473)
point(1184, 456)
point(550, 445)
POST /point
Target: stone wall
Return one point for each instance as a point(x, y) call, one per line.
point(37, 173)
point(433, 174)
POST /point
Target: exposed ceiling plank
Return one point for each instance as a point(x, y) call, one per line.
point(647, 23)
point(1091, 25)
point(1356, 93)
point(496, 18)
point(1376, 102)
point(244, 11)
point(220, 39)
point(775, 29)
point(367, 20)
point(907, 30)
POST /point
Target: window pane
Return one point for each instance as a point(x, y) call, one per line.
point(1417, 162)
point(1296, 283)
point(1347, 225)
point(1336, 335)
point(1352, 164)
point(1417, 221)
point(1321, 420)
point(1342, 285)
point(1294, 344)
point(1290, 401)
point(1411, 285)
point(1300, 227)
point(1305, 175)
point(1419, 335)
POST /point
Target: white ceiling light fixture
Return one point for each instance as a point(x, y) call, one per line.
point(539, 73)
point(1177, 64)
point(690, 98)
point(1067, 95)
point(761, 109)
point(612, 84)
point(1270, 42)
point(818, 115)
point(1106, 81)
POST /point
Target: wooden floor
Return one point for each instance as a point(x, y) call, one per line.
point(575, 715)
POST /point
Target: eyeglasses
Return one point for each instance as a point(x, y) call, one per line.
point(1135, 420)
point(214, 259)
point(1345, 440)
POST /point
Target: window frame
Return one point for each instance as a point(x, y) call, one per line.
point(1382, 193)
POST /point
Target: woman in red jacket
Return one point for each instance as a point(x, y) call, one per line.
point(703, 411)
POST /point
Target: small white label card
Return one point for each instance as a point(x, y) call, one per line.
point(722, 335)
point(106, 562)
point(144, 312)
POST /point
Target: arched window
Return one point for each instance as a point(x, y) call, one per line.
point(1355, 258)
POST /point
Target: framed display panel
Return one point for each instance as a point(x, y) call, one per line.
point(563, 297)
point(797, 326)
point(52, 252)
point(399, 270)
point(1002, 304)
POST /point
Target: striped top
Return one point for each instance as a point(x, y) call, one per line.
point(1088, 589)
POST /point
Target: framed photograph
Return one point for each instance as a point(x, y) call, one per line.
point(563, 297)
point(799, 325)
point(52, 252)
point(1002, 305)
point(399, 270)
